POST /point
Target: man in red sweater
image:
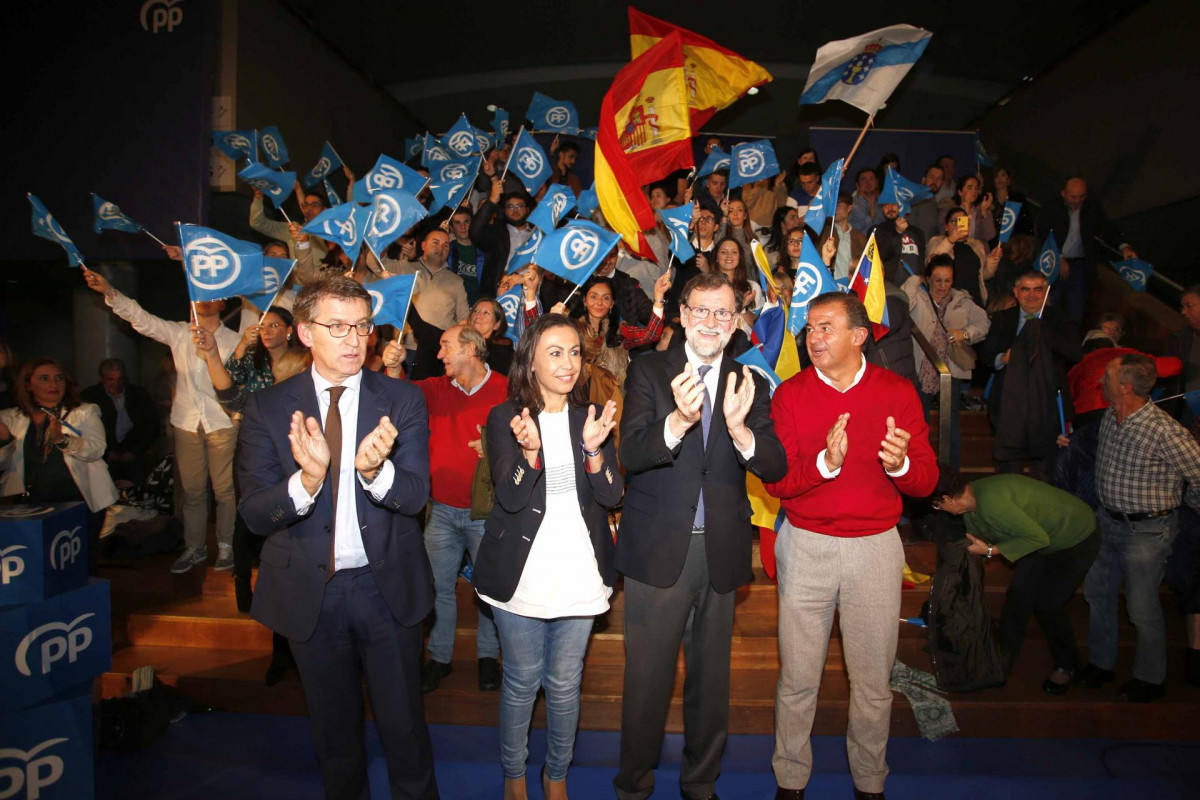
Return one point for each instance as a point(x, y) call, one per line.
point(855, 438)
point(458, 404)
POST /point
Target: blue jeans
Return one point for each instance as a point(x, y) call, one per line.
point(449, 532)
point(545, 653)
point(1133, 553)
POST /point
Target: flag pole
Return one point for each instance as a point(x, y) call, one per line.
point(285, 216)
point(186, 278)
point(161, 243)
point(858, 141)
point(572, 294)
point(277, 291)
point(1172, 397)
point(1044, 299)
point(504, 174)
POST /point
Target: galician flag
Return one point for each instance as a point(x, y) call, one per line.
point(864, 71)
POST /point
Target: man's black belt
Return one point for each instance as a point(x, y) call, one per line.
point(1140, 516)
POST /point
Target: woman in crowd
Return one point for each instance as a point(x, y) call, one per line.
point(979, 211)
point(948, 318)
point(1050, 536)
point(545, 563)
point(974, 266)
point(786, 220)
point(1003, 193)
point(731, 262)
point(738, 228)
point(488, 318)
point(52, 445)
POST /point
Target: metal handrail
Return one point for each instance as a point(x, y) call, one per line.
point(945, 387)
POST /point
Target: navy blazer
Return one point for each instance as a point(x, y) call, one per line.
point(295, 557)
point(665, 485)
point(521, 504)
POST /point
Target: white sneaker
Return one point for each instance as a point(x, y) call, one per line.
point(190, 558)
point(224, 557)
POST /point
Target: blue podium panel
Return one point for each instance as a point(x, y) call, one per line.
point(43, 551)
point(51, 646)
point(46, 750)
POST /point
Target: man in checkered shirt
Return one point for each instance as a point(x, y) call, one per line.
point(1142, 462)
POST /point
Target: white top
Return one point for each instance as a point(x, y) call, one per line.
point(84, 455)
point(348, 544)
point(561, 577)
point(195, 402)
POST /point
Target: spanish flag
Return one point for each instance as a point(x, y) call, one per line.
point(715, 76)
point(644, 135)
point(867, 283)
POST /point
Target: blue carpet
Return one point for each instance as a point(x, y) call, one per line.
point(220, 755)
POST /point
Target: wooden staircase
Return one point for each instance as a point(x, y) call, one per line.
point(188, 628)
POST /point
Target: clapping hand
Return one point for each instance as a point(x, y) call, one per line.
point(596, 429)
point(688, 391)
point(736, 405)
point(836, 443)
point(525, 429)
point(310, 450)
point(894, 447)
point(374, 449)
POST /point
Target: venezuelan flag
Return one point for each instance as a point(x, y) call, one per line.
point(867, 283)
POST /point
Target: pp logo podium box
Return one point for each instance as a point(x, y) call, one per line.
point(46, 750)
point(54, 645)
point(43, 551)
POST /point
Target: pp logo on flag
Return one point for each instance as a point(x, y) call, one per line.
point(557, 117)
point(65, 547)
point(50, 224)
point(577, 248)
point(510, 304)
point(212, 264)
point(531, 244)
point(529, 162)
point(558, 204)
point(1134, 276)
point(109, 211)
point(721, 163)
point(808, 280)
point(29, 773)
point(266, 187)
point(11, 565)
point(751, 162)
point(438, 154)
point(238, 142)
point(461, 142)
point(679, 229)
point(322, 168)
point(1007, 222)
point(270, 278)
point(1047, 263)
point(453, 172)
point(386, 177)
point(159, 15)
point(346, 230)
point(376, 301)
point(387, 217)
point(903, 194)
point(69, 641)
point(483, 142)
point(270, 146)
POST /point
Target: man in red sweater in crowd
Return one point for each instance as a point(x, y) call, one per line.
point(458, 404)
point(855, 438)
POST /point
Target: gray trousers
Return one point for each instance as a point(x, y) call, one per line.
point(859, 577)
point(656, 620)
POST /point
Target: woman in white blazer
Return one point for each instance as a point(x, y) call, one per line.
point(52, 444)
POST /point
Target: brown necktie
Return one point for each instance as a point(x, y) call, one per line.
point(333, 437)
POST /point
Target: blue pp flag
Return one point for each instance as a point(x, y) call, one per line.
point(718, 159)
point(342, 225)
point(753, 161)
point(588, 202)
point(47, 227)
point(332, 195)
point(1134, 270)
point(434, 151)
point(757, 362)
point(590, 133)
point(500, 122)
point(413, 147)
point(327, 162)
point(553, 116)
point(107, 216)
point(273, 183)
point(237, 144)
point(390, 299)
point(574, 251)
point(1008, 220)
point(1047, 260)
point(512, 303)
point(555, 204)
point(393, 213)
point(484, 141)
point(271, 142)
point(678, 222)
point(529, 162)
point(901, 191)
point(388, 174)
point(275, 272)
point(218, 266)
point(524, 255)
point(824, 204)
point(981, 154)
point(450, 182)
point(460, 139)
point(812, 279)
point(1193, 401)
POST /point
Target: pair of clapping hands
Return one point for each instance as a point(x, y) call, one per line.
point(311, 451)
point(892, 450)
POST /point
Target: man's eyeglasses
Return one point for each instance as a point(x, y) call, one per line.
point(307, 204)
point(340, 330)
point(514, 206)
point(700, 313)
point(706, 218)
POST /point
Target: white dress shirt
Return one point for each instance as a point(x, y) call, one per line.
point(825, 471)
point(349, 551)
point(711, 383)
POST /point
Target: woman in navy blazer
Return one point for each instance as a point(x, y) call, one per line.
point(545, 563)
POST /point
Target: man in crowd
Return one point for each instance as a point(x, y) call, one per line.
point(565, 153)
point(501, 225)
point(334, 468)
point(945, 195)
point(901, 245)
point(131, 423)
point(1076, 221)
point(458, 404)
point(1184, 346)
point(689, 435)
point(850, 243)
point(856, 439)
point(865, 212)
point(439, 300)
point(926, 215)
point(311, 205)
point(712, 194)
point(466, 260)
point(1142, 462)
point(1031, 349)
point(204, 434)
point(808, 183)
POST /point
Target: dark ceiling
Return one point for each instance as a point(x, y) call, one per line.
point(439, 59)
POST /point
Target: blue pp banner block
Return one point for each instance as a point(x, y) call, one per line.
point(43, 551)
point(46, 751)
point(55, 645)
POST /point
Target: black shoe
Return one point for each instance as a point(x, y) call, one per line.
point(432, 674)
point(861, 795)
point(789, 794)
point(279, 667)
point(489, 675)
point(1141, 692)
point(1056, 689)
point(1092, 677)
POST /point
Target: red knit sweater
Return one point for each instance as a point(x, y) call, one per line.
point(862, 500)
point(452, 420)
